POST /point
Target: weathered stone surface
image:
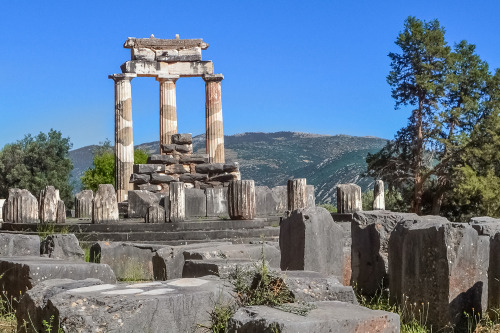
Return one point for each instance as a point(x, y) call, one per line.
point(225, 177)
point(137, 178)
point(173, 306)
point(297, 195)
point(155, 214)
point(310, 240)
point(164, 44)
point(139, 201)
point(105, 207)
point(327, 317)
point(193, 177)
point(194, 158)
point(62, 246)
point(216, 201)
point(216, 266)
point(231, 167)
point(19, 274)
point(266, 202)
point(150, 187)
point(378, 196)
point(148, 168)
point(434, 262)
point(210, 168)
point(196, 202)
point(61, 212)
point(177, 168)
point(154, 68)
point(494, 273)
point(281, 194)
point(177, 202)
point(310, 196)
point(83, 204)
point(241, 200)
point(129, 261)
point(162, 159)
point(213, 115)
point(184, 149)
point(370, 232)
point(182, 139)
point(348, 198)
point(485, 225)
point(12, 245)
point(2, 202)
point(143, 54)
point(168, 148)
point(157, 178)
point(48, 204)
point(21, 207)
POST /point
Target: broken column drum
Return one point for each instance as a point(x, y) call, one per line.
point(177, 202)
point(348, 198)
point(297, 194)
point(83, 204)
point(378, 195)
point(166, 60)
point(241, 200)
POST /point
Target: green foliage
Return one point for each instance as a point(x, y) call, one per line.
point(219, 316)
point(367, 200)
point(46, 229)
point(329, 207)
point(35, 162)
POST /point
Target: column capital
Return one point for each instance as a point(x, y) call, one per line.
point(122, 76)
point(213, 77)
point(167, 77)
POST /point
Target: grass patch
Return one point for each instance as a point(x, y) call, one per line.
point(46, 229)
point(329, 207)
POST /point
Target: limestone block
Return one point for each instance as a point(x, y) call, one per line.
point(378, 196)
point(153, 68)
point(61, 212)
point(210, 168)
point(177, 202)
point(297, 194)
point(12, 245)
point(48, 204)
point(216, 202)
point(184, 149)
point(62, 246)
point(226, 177)
point(310, 240)
point(139, 201)
point(231, 167)
point(168, 148)
point(348, 198)
point(21, 207)
point(434, 262)
point(137, 178)
point(193, 177)
point(177, 169)
point(157, 178)
point(266, 201)
point(216, 266)
point(196, 203)
point(241, 200)
point(143, 54)
point(193, 54)
point(83, 204)
point(148, 168)
point(182, 139)
point(280, 192)
point(155, 214)
point(194, 158)
point(162, 159)
point(105, 206)
point(150, 187)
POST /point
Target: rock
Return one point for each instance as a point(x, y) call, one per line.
point(139, 179)
point(162, 159)
point(139, 201)
point(266, 202)
point(48, 204)
point(12, 245)
point(155, 214)
point(21, 207)
point(348, 198)
point(328, 316)
point(378, 196)
point(157, 178)
point(168, 148)
point(297, 196)
point(184, 149)
point(62, 246)
point(177, 202)
point(216, 202)
point(148, 168)
point(196, 203)
point(61, 212)
point(129, 261)
point(311, 241)
point(435, 262)
point(241, 200)
point(182, 139)
point(83, 204)
point(231, 167)
point(494, 273)
point(105, 207)
point(485, 226)
point(210, 168)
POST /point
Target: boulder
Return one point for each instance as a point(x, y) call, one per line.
point(105, 206)
point(62, 246)
point(12, 245)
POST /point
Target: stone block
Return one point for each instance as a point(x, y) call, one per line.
point(196, 203)
point(139, 201)
point(216, 202)
point(137, 178)
point(241, 200)
point(210, 168)
point(177, 169)
point(193, 177)
point(105, 206)
point(48, 204)
point(435, 262)
point(143, 54)
point(150, 187)
point(177, 206)
point(157, 178)
point(311, 241)
point(182, 139)
point(217, 266)
point(485, 226)
point(83, 204)
point(168, 148)
point(62, 246)
point(348, 198)
point(184, 149)
point(21, 207)
point(162, 159)
point(155, 214)
point(231, 167)
point(154, 68)
point(194, 158)
point(326, 317)
point(12, 245)
point(280, 192)
point(148, 168)
point(226, 177)
point(266, 202)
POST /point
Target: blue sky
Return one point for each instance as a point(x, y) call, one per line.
point(309, 66)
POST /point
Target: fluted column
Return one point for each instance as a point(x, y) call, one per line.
point(124, 143)
point(378, 196)
point(213, 118)
point(297, 193)
point(168, 108)
point(241, 199)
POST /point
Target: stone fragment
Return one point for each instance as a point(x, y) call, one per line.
point(348, 198)
point(143, 54)
point(378, 196)
point(216, 202)
point(137, 178)
point(231, 167)
point(184, 149)
point(225, 177)
point(148, 168)
point(196, 203)
point(155, 214)
point(241, 200)
point(297, 195)
point(266, 202)
point(177, 168)
point(150, 187)
point(83, 204)
point(311, 241)
point(157, 178)
point(210, 168)
point(168, 148)
point(21, 207)
point(326, 317)
point(194, 158)
point(61, 212)
point(105, 206)
point(192, 177)
point(62, 246)
point(48, 204)
point(182, 139)
point(162, 159)
point(181, 68)
point(217, 266)
point(12, 245)
point(139, 201)
point(177, 202)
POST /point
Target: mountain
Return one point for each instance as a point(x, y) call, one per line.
point(272, 158)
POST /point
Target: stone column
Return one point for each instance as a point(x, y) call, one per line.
point(124, 143)
point(348, 198)
point(105, 205)
point(213, 118)
point(241, 199)
point(83, 204)
point(378, 196)
point(177, 202)
point(168, 108)
point(297, 193)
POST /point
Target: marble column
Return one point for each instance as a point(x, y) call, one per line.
point(297, 193)
point(378, 196)
point(124, 143)
point(213, 118)
point(168, 108)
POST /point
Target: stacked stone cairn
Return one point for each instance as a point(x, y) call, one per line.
point(177, 163)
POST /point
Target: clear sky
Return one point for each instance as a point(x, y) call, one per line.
point(309, 66)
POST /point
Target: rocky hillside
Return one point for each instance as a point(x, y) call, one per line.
point(272, 158)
